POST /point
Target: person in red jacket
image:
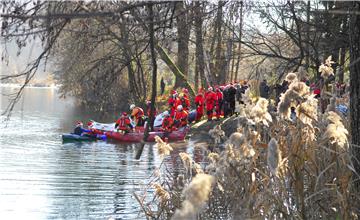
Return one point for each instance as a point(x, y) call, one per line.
point(123, 123)
point(180, 117)
point(219, 101)
point(199, 102)
point(173, 102)
point(168, 122)
point(210, 100)
point(185, 102)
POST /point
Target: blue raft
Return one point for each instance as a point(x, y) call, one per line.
point(80, 138)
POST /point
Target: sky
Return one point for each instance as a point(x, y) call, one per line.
point(16, 63)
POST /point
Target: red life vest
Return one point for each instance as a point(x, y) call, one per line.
point(124, 123)
point(199, 99)
point(185, 102)
point(219, 96)
point(137, 112)
point(181, 117)
point(210, 99)
point(167, 123)
point(173, 104)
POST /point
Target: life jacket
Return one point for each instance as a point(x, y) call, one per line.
point(167, 123)
point(137, 112)
point(185, 102)
point(181, 117)
point(210, 99)
point(123, 123)
point(219, 97)
point(199, 99)
point(173, 102)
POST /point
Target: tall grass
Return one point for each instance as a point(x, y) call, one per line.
point(274, 167)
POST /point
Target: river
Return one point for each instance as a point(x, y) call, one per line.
point(42, 178)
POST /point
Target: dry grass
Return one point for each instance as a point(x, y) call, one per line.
point(271, 168)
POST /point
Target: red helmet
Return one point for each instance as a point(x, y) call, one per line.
point(173, 92)
point(90, 123)
point(124, 114)
point(185, 90)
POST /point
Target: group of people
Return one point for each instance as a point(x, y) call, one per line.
point(216, 101)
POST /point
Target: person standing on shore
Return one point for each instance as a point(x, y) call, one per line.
point(162, 86)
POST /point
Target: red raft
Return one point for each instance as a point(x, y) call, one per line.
point(137, 136)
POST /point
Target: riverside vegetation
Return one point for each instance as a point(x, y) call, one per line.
point(272, 167)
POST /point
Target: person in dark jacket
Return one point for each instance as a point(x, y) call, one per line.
point(232, 99)
point(229, 94)
point(162, 86)
point(264, 89)
point(79, 130)
point(238, 94)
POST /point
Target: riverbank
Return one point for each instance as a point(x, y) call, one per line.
point(200, 130)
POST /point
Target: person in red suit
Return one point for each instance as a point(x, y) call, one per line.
point(168, 122)
point(173, 102)
point(180, 117)
point(123, 123)
point(185, 102)
point(219, 100)
point(210, 101)
point(199, 102)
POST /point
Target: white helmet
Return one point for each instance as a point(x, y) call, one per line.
point(166, 113)
point(132, 106)
point(179, 108)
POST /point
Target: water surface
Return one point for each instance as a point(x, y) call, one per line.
point(42, 178)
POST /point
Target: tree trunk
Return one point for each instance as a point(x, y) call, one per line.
point(307, 47)
point(154, 81)
point(343, 52)
point(354, 29)
point(240, 36)
point(233, 48)
point(199, 59)
point(165, 57)
point(126, 53)
point(342, 65)
point(226, 67)
point(183, 34)
point(218, 55)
